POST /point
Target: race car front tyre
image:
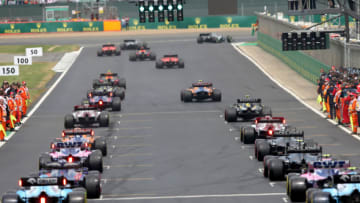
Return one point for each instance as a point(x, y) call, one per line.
point(276, 169)
point(76, 196)
point(229, 39)
point(116, 104)
point(216, 95)
point(117, 53)
point(230, 114)
point(249, 135)
point(199, 40)
point(297, 189)
point(132, 56)
point(152, 56)
point(159, 64)
point(181, 63)
point(100, 53)
point(122, 83)
point(104, 119)
point(266, 111)
point(321, 197)
point(100, 144)
point(187, 96)
point(95, 161)
point(96, 83)
point(43, 160)
point(10, 198)
point(262, 149)
point(92, 186)
point(69, 121)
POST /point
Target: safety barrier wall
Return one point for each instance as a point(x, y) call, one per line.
point(115, 25)
point(304, 64)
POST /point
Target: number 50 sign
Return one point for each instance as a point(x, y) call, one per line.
point(12, 70)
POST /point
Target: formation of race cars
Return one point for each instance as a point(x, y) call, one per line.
point(71, 170)
point(310, 175)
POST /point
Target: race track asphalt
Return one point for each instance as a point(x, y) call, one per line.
point(162, 148)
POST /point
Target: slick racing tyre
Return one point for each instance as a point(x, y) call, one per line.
point(100, 144)
point(10, 198)
point(43, 160)
point(217, 95)
point(95, 161)
point(297, 189)
point(104, 119)
point(92, 186)
point(132, 56)
point(69, 121)
point(187, 96)
point(181, 63)
point(76, 196)
point(116, 104)
point(230, 114)
point(152, 56)
point(249, 135)
point(159, 64)
point(276, 169)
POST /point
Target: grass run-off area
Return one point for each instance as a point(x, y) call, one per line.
point(20, 49)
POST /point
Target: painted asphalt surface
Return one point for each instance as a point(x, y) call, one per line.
point(165, 149)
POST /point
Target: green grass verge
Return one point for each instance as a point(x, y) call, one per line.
point(20, 49)
point(36, 77)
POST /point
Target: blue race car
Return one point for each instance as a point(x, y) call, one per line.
point(105, 98)
point(76, 176)
point(45, 190)
point(342, 188)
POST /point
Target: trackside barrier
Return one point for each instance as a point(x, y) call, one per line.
point(304, 64)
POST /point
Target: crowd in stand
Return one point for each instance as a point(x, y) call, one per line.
point(14, 101)
point(339, 95)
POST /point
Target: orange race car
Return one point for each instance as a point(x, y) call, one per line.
point(85, 135)
point(200, 91)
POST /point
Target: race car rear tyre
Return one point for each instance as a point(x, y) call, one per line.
point(132, 56)
point(263, 149)
point(310, 143)
point(289, 177)
point(10, 198)
point(266, 161)
point(119, 93)
point(309, 194)
point(266, 111)
point(76, 197)
point(117, 53)
point(199, 40)
point(43, 160)
point(96, 83)
point(321, 197)
point(230, 114)
point(116, 104)
point(159, 64)
point(182, 95)
point(92, 186)
point(104, 119)
point(122, 83)
point(297, 189)
point(229, 39)
point(241, 134)
point(181, 63)
point(100, 144)
point(100, 53)
point(276, 169)
point(95, 161)
point(217, 95)
point(187, 96)
point(69, 121)
point(249, 135)
point(152, 56)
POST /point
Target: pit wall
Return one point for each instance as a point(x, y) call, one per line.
point(116, 25)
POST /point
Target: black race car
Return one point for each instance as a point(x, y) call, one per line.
point(246, 109)
point(110, 79)
point(132, 44)
point(86, 115)
point(212, 37)
point(200, 91)
point(295, 160)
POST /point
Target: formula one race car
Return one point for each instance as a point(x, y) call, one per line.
point(87, 115)
point(262, 128)
point(108, 49)
point(341, 188)
point(76, 176)
point(105, 97)
point(276, 143)
point(73, 152)
point(85, 135)
point(295, 160)
point(170, 61)
point(142, 54)
point(317, 176)
point(111, 79)
point(212, 37)
point(200, 91)
point(43, 190)
point(106, 89)
point(246, 109)
point(131, 44)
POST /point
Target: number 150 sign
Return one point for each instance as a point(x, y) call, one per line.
point(9, 70)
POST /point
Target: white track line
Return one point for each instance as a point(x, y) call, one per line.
point(47, 93)
point(292, 93)
point(192, 196)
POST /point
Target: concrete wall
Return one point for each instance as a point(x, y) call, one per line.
point(333, 56)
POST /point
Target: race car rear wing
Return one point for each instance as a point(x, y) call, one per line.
point(108, 74)
point(288, 134)
point(57, 165)
point(85, 107)
point(346, 179)
point(63, 145)
point(37, 181)
point(257, 100)
point(270, 120)
point(202, 84)
point(204, 34)
point(129, 40)
point(170, 56)
point(77, 131)
point(329, 164)
point(304, 150)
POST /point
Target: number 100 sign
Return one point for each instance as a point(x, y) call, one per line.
point(9, 70)
point(22, 60)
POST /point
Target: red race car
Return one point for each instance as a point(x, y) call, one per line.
point(142, 54)
point(109, 50)
point(170, 61)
